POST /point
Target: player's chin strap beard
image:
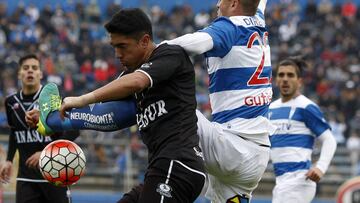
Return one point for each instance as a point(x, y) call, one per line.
point(149, 54)
point(146, 57)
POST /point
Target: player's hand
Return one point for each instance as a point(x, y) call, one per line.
point(76, 102)
point(32, 117)
point(33, 160)
point(5, 172)
point(69, 103)
point(314, 174)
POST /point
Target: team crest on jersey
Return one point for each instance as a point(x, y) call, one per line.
point(146, 65)
point(164, 190)
point(16, 105)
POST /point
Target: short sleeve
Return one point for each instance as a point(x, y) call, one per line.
point(224, 34)
point(314, 120)
point(162, 67)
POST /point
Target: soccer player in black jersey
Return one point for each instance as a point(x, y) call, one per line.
point(162, 82)
point(30, 187)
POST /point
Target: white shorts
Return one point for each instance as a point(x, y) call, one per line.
point(234, 165)
point(294, 188)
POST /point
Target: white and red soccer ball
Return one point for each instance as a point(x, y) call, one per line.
point(62, 163)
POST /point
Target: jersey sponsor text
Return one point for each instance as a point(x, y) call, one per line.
point(150, 113)
point(258, 100)
point(91, 118)
point(29, 136)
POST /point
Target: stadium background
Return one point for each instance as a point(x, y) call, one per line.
point(69, 37)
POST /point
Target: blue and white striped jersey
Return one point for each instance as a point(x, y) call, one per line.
point(239, 68)
point(299, 121)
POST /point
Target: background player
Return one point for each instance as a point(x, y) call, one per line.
point(30, 187)
point(299, 122)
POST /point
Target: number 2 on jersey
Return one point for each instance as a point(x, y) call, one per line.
point(255, 79)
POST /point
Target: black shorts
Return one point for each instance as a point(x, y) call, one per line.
point(168, 181)
point(32, 192)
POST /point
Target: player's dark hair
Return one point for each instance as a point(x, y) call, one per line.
point(250, 6)
point(297, 61)
point(131, 22)
point(26, 57)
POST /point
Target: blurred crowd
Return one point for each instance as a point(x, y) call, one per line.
point(75, 53)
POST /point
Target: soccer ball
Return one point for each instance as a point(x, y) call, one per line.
point(62, 163)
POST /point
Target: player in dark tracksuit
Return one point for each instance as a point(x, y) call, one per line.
point(162, 79)
point(30, 187)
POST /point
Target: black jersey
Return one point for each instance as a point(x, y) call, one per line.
point(166, 110)
point(27, 140)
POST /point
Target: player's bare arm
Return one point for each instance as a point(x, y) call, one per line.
point(117, 89)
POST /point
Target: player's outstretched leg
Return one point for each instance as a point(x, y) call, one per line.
point(107, 116)
point(49, 101)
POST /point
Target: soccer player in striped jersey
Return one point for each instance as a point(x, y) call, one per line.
point(235, 144)
point(299, 122)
